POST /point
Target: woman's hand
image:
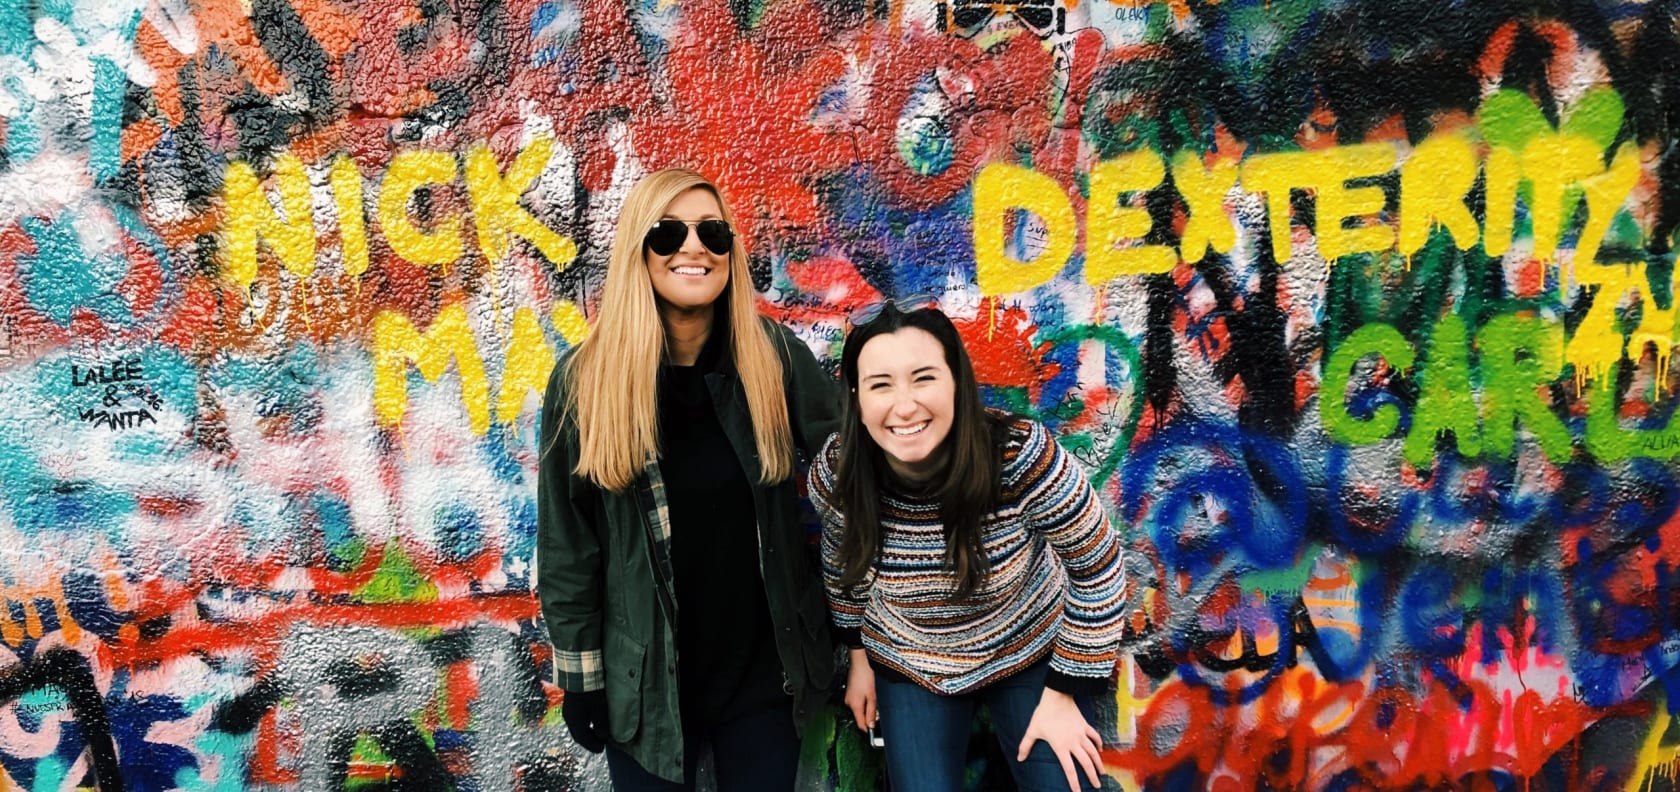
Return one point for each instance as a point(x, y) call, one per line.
point(1058, 722)
point(860, 691)
point(585, 714)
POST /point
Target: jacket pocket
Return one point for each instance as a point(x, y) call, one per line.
point(623, 670)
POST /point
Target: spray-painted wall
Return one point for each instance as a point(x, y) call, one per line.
point(1358, 311)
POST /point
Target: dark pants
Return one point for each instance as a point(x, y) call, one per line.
point(758, 751)
point(927, 734)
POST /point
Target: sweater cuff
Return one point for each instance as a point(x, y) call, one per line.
point(1074, 685)
point(852, 637)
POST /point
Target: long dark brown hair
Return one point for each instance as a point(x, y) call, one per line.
point(967, 489)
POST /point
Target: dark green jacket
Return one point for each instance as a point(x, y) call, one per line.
point(603, 573)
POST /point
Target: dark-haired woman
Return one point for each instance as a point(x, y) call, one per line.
point(967, 562)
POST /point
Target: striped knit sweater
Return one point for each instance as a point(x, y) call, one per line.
point(1054, 585)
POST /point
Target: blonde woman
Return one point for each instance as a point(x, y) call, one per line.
point(686, 613)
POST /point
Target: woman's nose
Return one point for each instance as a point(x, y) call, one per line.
point(904, 403)
point(691, 239)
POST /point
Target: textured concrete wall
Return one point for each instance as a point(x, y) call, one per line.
point(1358, 311)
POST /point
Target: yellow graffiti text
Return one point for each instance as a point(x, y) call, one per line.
point(1549, 175)
point(526, 361)
point(280, 215)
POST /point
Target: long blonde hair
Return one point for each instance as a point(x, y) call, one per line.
point(612, 393)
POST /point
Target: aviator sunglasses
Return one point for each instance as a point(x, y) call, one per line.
point(667, 236)
point(903, 305)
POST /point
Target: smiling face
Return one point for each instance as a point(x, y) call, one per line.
point(691, 278)
point(906, 399)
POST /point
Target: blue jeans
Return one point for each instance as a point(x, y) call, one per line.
point(755, 753)
point(926, 734)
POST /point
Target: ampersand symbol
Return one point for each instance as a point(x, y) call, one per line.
point(111, 397)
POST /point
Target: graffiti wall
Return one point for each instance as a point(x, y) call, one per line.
point(1358, 312)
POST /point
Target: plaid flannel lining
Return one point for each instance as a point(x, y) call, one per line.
point(580, 671)
point(659, 527)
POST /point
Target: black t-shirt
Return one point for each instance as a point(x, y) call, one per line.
point(727, 664)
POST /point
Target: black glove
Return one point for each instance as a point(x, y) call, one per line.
point(585, 714)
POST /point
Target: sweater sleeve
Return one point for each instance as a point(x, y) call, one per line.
point(845, 608)
point(1061, 504)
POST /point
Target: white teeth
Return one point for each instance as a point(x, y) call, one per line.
point(905, 431)
point(689, 270)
